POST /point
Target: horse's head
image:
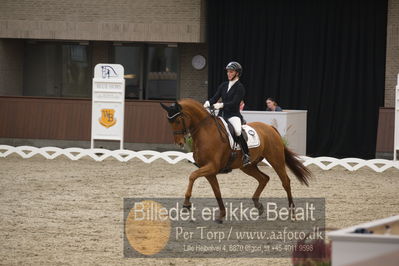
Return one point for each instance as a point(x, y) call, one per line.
point(177, 121)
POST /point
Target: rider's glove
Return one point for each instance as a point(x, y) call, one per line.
point(207, 104)
point(218, 106)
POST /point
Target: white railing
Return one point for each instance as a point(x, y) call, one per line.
point(173, 157)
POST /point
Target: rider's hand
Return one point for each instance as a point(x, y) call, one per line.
point(207, 104)
point(218, 106)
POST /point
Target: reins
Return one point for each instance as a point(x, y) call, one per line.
point(185, 131)
point(220, 129)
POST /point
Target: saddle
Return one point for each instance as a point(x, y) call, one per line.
point(250, 135)
point(233, 155)
point(233, 132)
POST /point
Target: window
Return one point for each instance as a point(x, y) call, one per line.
point(57, 70)
point(162, 72)
point(150, 70)
point(76, 78)
point(39, 70)
point(131, 59)
point(62, 69)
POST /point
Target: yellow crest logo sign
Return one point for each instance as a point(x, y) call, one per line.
point(107, 118)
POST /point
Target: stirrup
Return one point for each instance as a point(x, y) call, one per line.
point(246, 160)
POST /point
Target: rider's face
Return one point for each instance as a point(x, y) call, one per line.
point(231, 74)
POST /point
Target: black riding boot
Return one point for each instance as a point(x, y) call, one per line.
point(244, 147)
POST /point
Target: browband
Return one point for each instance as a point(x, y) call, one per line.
point(171, 117)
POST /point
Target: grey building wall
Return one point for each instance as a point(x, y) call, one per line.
point(193, 83)
point(171, 21)
point(121, 20)
point(116, 20)
point(392, 55)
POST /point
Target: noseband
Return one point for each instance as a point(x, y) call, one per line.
point(172, 119)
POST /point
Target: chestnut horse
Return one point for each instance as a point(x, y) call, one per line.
point(211, 151)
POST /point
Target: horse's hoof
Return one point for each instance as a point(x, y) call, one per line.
point(293, 213)
point(260, 209)
point(186, 208)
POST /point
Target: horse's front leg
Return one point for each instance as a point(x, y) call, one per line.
point(216, 190)
point(205, 170)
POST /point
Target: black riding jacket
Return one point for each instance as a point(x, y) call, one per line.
point(231, 99)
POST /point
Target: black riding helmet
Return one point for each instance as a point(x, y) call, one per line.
point(235, 66)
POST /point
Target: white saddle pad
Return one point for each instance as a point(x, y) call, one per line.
point(253, 137)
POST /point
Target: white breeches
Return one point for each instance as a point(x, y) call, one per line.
point(236, 122)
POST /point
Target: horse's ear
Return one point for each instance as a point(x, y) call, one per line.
point(178, 106)
point(164, 107)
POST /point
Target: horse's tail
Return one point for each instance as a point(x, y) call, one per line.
point(296, 166)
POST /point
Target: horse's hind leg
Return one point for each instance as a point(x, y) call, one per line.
point(216, 190)
point(285, 180)
point(262, 178)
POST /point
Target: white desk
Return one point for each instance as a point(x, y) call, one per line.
point(379, 248)
point(291, 124)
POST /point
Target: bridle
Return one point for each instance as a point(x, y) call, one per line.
point(172, 119)
point(185, 131)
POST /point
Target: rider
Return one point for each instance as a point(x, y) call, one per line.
point(232, 93)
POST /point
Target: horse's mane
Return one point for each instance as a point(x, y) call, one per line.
point(193, 108)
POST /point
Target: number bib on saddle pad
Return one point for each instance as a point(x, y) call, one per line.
point(253, 137)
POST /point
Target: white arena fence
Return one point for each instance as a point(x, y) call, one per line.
point(173, 157)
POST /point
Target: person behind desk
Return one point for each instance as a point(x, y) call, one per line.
point(272, 105)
